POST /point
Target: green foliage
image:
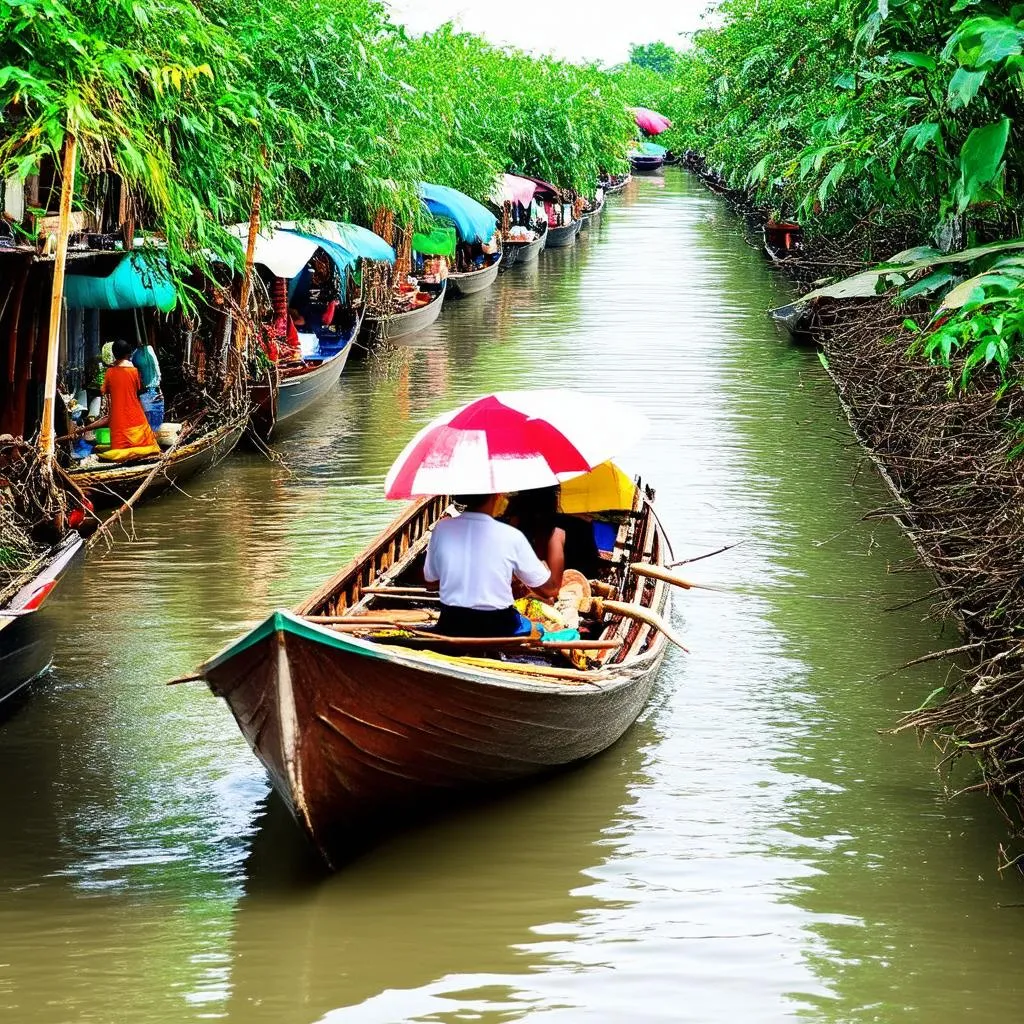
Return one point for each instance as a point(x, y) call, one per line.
point(657, 57)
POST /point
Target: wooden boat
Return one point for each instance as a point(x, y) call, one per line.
point(591, 215)
point(517, 253)
point(472, 281)
point(398, 325)
point(616, 183)
point(115, 482)
point(357, 733)
point(26, 640)
point(561, 237)
point(782, 239)
point(646, 163)
point(302, 384)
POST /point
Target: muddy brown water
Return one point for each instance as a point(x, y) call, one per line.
point(753, 850)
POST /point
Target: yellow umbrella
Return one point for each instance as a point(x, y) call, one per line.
point(604, 489)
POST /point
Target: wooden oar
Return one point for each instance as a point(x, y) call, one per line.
point(389, 616)
point(600, 605)
point(655, 572)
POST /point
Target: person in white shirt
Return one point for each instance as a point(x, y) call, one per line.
point(472, 559)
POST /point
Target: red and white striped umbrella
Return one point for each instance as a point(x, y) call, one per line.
point(513, 441)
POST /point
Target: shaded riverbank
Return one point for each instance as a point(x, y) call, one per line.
point(753, 849)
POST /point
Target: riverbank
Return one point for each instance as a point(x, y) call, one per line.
point(949, 457)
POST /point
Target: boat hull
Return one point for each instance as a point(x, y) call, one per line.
point(515, 254)
point(591, 216)
point(115, 484)
point(612, 186)
point(562, 237)
point(402, 324)
point(26, 637)
point(647, 164)
point(296, 394)
point(350, 739)
point(475, 281)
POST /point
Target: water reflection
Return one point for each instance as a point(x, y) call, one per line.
point(753, 851)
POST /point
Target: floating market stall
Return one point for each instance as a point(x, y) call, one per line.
point(563, 211)
point(524, 225)
point(313, 311)
point(477, 258)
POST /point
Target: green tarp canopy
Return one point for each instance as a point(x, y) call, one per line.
point(134, 283)
point(440, 242)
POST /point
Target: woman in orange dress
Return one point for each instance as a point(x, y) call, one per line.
point(125, 416)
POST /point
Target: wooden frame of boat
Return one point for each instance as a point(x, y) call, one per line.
point(26, 641)
point(114, 483)
point(473, 281)
point(562, 237)
point(356, 733)
point(398, 325)
point(517, 253)
point(299, 387)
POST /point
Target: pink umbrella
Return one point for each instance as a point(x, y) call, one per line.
point(651, 121)
point(513, 441)
point(514, 189)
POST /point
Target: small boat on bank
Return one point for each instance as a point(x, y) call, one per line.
point(648, 158)
point(471, 281)
point(26, 638)
point(592, 209)
point(421, 311)
point(563, 235)
point(518, 251)
point(111, 483)
point(357, 730)
point(559, 208)
point(615, 183)
point(302, 383)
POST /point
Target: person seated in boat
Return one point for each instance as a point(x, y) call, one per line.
point(122, 385)
point(561, 541)
point(144, 359)
point(316, 295)
point(472, 559)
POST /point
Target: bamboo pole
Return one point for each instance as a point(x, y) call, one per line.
point(47, 437)
point(250, 252)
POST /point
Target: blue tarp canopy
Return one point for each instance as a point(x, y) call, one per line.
point(473, 221)
point(652, 149)
point(359, 242)
point(135, 283)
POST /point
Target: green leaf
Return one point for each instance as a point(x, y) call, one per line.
point(963, 87)
point(914, 59)
point(928, 285)
point(981, 158)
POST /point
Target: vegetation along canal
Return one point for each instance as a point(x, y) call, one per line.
point(753, 850)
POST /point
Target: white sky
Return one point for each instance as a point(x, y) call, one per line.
point(573, 29)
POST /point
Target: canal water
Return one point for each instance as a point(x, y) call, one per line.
point(755, 849)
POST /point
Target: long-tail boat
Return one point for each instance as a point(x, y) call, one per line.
point(358, 730)
point(302, 383)
point(474, 264)
point(112, 483)
point(471, 281)
point(425, 309)
point(516, 252)
point(26, 639)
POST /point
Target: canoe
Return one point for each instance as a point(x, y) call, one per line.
point(591, 215)
point(561, 237)
point(357, 734)
point(398, 325)
point(111, 484)
point(515, 254)
point(474, 280)
point(646, 164)
point(300, 386)
point(26, 638)
point(616, 183)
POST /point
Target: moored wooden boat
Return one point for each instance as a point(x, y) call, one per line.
point(615, 183)
point(26, 639)
point(592, 215)
point(300, 385)
point(113, 483)
point(646, 163)
point(398, 325)
point(472, 281)
point(516, 253)
point(355, 731)
point(563, 236)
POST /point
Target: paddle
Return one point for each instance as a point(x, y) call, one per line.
point(655, 572)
